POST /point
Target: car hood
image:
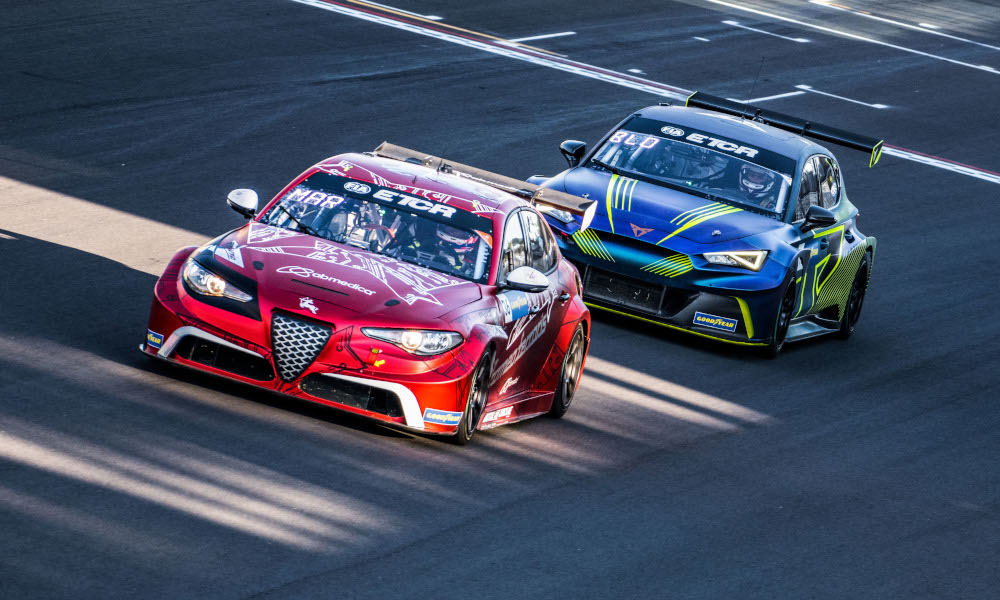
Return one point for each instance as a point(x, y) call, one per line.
point(290, 266)
point(651, 212)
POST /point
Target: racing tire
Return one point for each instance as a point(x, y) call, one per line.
point(781, 322)
point(569, 374)
point(852, 312)
point(475, 403)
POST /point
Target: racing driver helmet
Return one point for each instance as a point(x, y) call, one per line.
point(454, 239)
point(756, 182)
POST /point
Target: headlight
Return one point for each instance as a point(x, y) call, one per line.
point(208, 283)
point(748, 259)
point(561, 215)
point(416, 341)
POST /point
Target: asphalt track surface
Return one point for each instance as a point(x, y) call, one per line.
point(859, 469)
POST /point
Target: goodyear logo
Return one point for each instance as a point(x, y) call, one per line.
point(715, 322)
point(442, 417)
point(514, 305)
point(153, 339)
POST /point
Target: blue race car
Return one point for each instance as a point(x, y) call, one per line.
point(719, 219)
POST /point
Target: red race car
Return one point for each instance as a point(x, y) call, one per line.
point(372, 284)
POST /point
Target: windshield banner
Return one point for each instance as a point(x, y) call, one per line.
point(327, 191)
point(748, 152)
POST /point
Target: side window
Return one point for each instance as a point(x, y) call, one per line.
point(808, 190)
point(513, 246)
point(539, 241)
point(829, 182)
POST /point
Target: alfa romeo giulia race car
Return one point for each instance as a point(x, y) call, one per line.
point(391, 285)
point(718, 219)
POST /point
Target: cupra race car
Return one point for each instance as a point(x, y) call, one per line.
point(719, 219)
point(373, 283)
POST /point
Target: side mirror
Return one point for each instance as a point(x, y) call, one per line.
point(817, 216)
point(527, 279)
point(243, 201)
point(573, 151)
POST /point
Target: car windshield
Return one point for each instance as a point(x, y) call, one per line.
point(692, 162)
point(389, 222)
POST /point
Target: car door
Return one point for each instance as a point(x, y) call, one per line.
point(823, 246)
point(524, 316)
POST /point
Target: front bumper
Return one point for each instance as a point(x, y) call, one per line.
point(738, 308)
point(426, 396)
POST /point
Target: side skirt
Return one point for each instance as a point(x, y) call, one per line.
point(810, 326)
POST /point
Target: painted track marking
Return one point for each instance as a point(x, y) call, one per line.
point(774, 97)
point(544, 36)
point(924, 27)
point(393, 8)
point(790, 39)
point(814, 91)
point(598, 73)
point(853, 36)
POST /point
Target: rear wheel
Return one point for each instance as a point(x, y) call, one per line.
point(476, 400)
point(569, 374)
point(782, 321)
point(852, 313)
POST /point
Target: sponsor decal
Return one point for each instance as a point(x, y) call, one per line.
point(442, 417)
point(723, 145)
point(502, 413)
point(307, 303)
point(232, 255)
point(307, 272)
point(313, 197)
point(514, 305)
point(506, 385)
point(639, 231)
point(357, 188)
point(673, 131)
point(715, 322)
point(409, 282)
point(153, 339)
point(265, 233)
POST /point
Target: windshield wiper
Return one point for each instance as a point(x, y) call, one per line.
point(302, 226)
point(605, 165)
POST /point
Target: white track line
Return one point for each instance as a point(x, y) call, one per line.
point(386, 6)
point(942, 164)
point(569, 66)
point(922, 27)
point(543, 36)
point(814, 91)
point(774, 97)
point(853, 36)
point(790, 39)
point(608, 76)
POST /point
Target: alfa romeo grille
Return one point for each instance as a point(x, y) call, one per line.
point(296, 344)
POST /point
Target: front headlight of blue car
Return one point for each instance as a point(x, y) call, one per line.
point(417, 341)
point(747, 259)
point(208, 283)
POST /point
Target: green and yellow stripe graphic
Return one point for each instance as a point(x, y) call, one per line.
point(672, 266)
point(619, 196)
point(590, 244)
point(695, 216)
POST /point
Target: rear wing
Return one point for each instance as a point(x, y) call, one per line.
point(535, 194)
point(789, 123)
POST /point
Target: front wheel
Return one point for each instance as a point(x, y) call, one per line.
point(569, 374)
point(852, 312)
point(476, 400)
point(782, 321)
